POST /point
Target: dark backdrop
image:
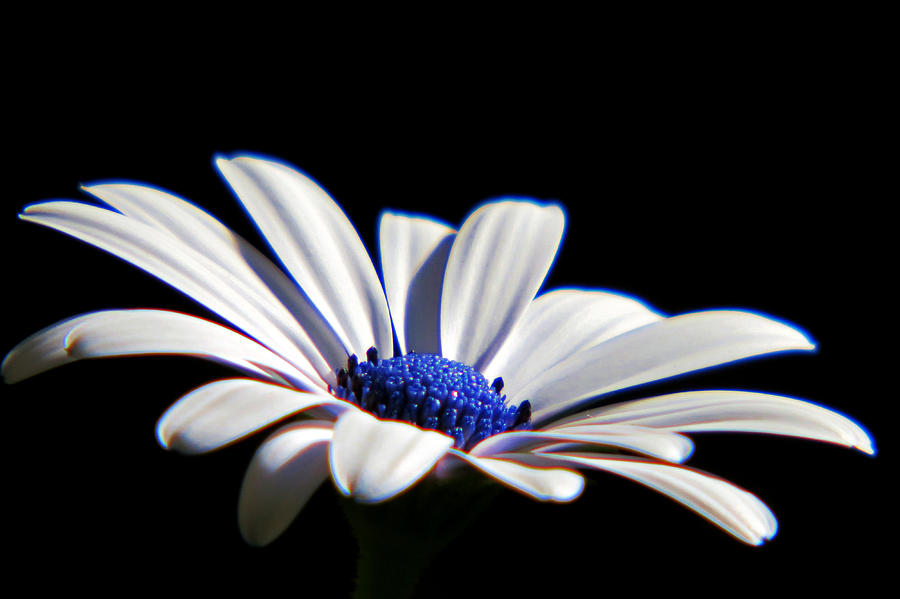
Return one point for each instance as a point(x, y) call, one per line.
point(726, 188)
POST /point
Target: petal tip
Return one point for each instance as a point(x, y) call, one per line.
point(29, 210)
point(866, 445)
point(576, 488)
point(162, 435)
point(8, 370)
point(221, 162)
point(685, 452)
point(252, 539)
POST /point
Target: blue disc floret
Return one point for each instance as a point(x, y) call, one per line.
point(431, 392)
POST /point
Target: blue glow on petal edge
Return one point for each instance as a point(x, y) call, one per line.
point(828, 408)
point(540, 204)
point(84, 188)
point(806, 335)
point(380, 268)
point(256, 156)
point(864, 430)
point(99, 203)
point(418, 215)
point(615, 292)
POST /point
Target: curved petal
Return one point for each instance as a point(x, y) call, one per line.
point(130, 332)
point(498, 262)
point(414, 252)
point(284, 473)
point(544, 484)
point(256, 273)
point(732, 411)
point(224, 411)
point(656, 351)
point(373, 460)
point(733, 509)
point(185, 269)
point(317, 244)
point(665, 445)
point(558, 324)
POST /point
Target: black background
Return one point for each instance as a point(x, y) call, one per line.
point(704, 181)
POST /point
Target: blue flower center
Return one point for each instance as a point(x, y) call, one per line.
point(433, 393)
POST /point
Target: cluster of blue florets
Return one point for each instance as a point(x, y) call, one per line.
point(431, 392)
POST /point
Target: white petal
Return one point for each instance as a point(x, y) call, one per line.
point(733, 411)
point(545, 484)
point(283, 474)
point(132, 332)
point(318, 246)
point(498, 262)
point(558, 324)
point(733, 509)
point(222, 412)
point(414, 252)
point(373, 460)
point(661, 444)
point(163, 256)
point(658, 350)
point(256, 273)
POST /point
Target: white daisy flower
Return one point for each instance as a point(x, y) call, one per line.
point(486, 375)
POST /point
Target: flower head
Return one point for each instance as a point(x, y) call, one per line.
point(486, 374)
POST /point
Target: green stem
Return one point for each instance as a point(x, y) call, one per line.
point(398, 539)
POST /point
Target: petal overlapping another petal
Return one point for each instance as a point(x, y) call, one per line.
point(656, 351)
point(733, 509)
point(284, 473)
point(190, 271)
point(373, 460)
point(729, 411)
point(498, 262)
point(292, 311)
point(222, 412)
point(414, 253)
point(665, 445)
point(135, 332)
point(560, 323)
point(545, 484)
point(317, 244)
